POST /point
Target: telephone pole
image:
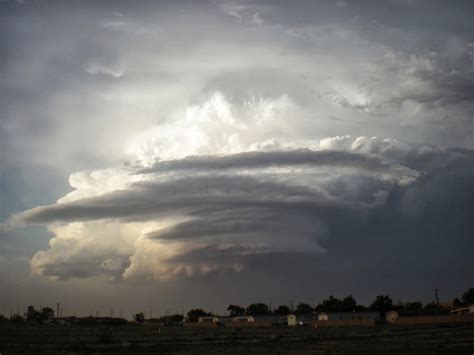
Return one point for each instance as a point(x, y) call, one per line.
point(436, 295)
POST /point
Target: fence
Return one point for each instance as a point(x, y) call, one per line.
point(254, 324)
point(443, 319)
point(345, 323)
point(200, 325)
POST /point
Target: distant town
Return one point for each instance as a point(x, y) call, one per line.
point(332, 312)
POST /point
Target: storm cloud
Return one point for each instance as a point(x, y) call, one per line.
point(238, 205)
point(210, 144)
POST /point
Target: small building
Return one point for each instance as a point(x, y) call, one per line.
point(208, 320)
point(291, 320)
point(391, 317)
point(348, 315)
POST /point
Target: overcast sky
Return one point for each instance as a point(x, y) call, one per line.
point(173, 154)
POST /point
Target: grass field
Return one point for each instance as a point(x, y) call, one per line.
point(134, 339)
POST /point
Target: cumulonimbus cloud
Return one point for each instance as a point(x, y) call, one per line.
point(173, 214)
point(209, 213)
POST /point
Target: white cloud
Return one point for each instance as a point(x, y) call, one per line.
point(256, 19)
point(216, 126)
point(102, 69)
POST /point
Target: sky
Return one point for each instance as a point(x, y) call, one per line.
point(165, 155)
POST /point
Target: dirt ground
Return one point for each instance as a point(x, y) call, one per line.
point(134, 339)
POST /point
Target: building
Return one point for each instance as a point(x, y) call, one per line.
point(291, 320)
point(208, 320)
point(325, 316)
point(464, 310)
point(391, 317)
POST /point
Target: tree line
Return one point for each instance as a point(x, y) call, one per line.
point(381, 304)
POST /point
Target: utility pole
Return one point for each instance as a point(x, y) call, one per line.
point(436, 295)
point(57, 309)
point(291, 306)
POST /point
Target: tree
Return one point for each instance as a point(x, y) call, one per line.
point(282, 310)
point(258, 309)
point(468, 297)
point(47, 314)
point(304, 308)
point(31, 314)
point(16, 318)
point(457, 302)
point(235, 310)
point(332, 304)
point(435, 308)
point(194, 314)
point(413, 306)
point(432, 306)
point(139, 318)
point(382, 304)
point(172, 319)
point(349, 304)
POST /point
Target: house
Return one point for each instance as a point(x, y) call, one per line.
point(208, 320)
point(291, 320)
point(391, 317)
point(464, 310)
point(348, 315)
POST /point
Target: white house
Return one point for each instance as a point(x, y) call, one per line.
point(464, 310)
point(391, 317)
point(291, 319)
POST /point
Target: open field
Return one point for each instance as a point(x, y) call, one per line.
point(134, 339)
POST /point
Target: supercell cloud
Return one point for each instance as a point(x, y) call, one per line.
point(235, 140)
